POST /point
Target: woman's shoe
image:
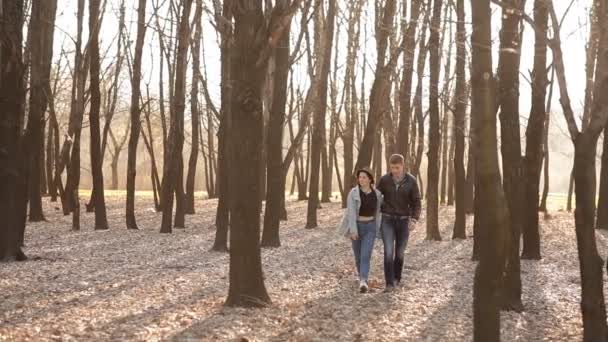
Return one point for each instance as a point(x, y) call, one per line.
point(363, 288)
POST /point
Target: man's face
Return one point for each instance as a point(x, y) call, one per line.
point(397, 170)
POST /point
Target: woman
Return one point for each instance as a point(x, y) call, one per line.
point(361, 222)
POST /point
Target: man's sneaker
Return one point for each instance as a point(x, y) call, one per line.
point(389, 288)
point(363, 287)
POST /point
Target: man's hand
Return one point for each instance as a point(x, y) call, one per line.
point(354, 236)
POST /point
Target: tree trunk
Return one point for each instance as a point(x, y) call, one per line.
point(534, 140)
point(325, 36)
point(418, 111)
point(432, 197)
point(222, 219)
point(350, 102)
point(459, 123)
point(101, 221)
point(247, 287)
point(494, 216)
point(593, 306)
point(81, 66)
point(274, 141)
point(445, 151)
point(50, 162)
point(543, 202)
point(380, 93)
point(12, 96)
point(135, 118)
point(42, 26)
point(173, 175)
point(602, 213)
point(508, 101)
point(194, 110)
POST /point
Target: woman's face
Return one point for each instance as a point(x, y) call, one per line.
point(364, 180)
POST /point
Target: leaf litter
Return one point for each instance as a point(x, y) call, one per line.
point(142, 285)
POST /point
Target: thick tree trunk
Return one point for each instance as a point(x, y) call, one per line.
point(246, 279)
point(534, 140)
point(459, 123)
point(101, 221)
point(12, 97)
point(432, 197)
point(173, 176)
point(318, 127)
point(508, 101)
point(494, 216)
point(42, 27)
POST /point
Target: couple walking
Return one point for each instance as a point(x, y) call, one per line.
point(388, 211)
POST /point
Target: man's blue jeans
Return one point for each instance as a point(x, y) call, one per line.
point(395, 233)
point(363, 247)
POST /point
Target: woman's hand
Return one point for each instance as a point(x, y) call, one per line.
point(354, 236)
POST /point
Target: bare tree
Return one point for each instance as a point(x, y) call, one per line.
point(101, 221)
point(173, 166)
point(379, 99)
point(432, 197)
point(533, 159)
point(194, 108)
point(42, 28)
point(593, 305)
point(223, 18)
point(459, 122)
point(494, 218)
point(323, 42)
point(508, 102)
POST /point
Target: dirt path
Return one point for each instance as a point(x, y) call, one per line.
point(141, 285)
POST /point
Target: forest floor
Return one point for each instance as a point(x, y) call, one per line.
point(143, 285)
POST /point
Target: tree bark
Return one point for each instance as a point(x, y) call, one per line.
point(325, 36)
point(173, 170)
point(494, 218)
point(101, 221)
point(12, 96)
point(274, 141)
point(432, 197)
point(222, 219)
point(459, 123)
point(602, 213)
point(534, 140)
point(508, 101)
point(249, 64)
point(379, 99)
point(194, 109)
point(593, 305)
point(42, 27)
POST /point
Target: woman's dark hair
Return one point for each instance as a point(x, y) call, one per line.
point(368, 172)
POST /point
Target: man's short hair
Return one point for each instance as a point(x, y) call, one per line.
point(396, 159)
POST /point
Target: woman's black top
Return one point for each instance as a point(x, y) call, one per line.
point(369, 203)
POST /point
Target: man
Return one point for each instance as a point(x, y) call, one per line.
point(400, 212)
